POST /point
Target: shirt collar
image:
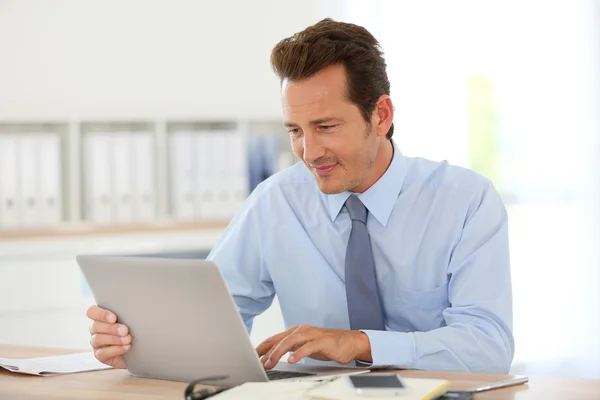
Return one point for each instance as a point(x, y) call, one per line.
point(379, 198)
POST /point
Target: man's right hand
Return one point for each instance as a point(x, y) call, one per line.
point(109, 340)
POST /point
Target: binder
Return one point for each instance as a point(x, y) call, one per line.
point(28, 197)
point(121, 177)
point(9, 213)
point(239, 181)
point(143, 175)
point(203, 184)
point(50, 180)
point(182, 176)
point(211, 185)
point(222, 173)
point(97, 178)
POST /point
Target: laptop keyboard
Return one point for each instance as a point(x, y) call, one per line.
point(274, 375)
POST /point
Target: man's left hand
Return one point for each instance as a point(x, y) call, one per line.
point(318, 343)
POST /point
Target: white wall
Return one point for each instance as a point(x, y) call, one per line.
point(83, 59)
point(74, 60)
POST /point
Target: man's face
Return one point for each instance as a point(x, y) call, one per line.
point(328, 132)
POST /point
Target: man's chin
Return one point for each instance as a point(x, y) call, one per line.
point(330, 187)
point(332, 191)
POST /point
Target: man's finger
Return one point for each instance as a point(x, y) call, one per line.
point(110, 329)
point(307, 350)
point(276, 340)
point(269, 343)
point(100, 340)
point(289, 343)
point(105, 354)
point(100, 314)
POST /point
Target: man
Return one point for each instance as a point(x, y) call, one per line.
point(375, 257)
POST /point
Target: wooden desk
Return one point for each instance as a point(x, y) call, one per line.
point(119, 384)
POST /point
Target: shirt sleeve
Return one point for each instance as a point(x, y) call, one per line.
point(237, 253)
point(478, 332)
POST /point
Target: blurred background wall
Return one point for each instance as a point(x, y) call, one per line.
point(143, 59)
point(510, 89)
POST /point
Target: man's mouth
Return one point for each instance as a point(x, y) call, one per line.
point(325, 169)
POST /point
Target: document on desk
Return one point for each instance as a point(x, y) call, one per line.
point(268, 391)
point(55, 365)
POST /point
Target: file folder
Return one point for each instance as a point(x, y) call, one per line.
point(204, 183)
point(222, 174)
point(50, 180)
point(28, 199)
point(9, 213)
point(182, 176)
point(144, 203)
point(214, 173)
point(239, 181)
point(222, 171)
point(121, 177)
point(97, 182)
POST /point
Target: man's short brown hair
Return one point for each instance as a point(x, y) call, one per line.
point(330, 42)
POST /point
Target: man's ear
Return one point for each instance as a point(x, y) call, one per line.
point(384, 114)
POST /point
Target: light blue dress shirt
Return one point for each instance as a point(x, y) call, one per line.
point(440, 244)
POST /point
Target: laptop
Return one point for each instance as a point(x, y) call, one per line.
point(184, 322)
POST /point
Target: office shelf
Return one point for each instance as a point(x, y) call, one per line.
point(75, 215)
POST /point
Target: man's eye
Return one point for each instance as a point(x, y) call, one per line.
point(294, 132)
point(327, 127)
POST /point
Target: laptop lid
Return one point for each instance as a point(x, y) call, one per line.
point(182, 318)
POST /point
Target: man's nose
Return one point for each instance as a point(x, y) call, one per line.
point(312, 148)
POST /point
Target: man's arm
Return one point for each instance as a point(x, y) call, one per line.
point(478, 336)
point(237, 253)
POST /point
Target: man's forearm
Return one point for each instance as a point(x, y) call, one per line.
point(453, 348)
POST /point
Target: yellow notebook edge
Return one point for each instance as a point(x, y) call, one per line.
point(437, 392)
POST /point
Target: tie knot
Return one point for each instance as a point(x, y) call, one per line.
point(356, 209)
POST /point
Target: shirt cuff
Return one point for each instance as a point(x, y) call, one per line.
point(388, 349)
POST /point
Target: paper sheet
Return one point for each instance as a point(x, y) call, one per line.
point(46, 366)
point(268, 391)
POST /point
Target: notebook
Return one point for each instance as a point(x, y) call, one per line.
point(416, 389)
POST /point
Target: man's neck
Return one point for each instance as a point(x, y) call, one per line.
point(381, 165)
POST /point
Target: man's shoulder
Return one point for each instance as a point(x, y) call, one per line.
point(443, 175)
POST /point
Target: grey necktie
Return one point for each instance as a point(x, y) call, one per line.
point(364, 306)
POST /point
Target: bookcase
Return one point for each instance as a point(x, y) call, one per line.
point(132, 174)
